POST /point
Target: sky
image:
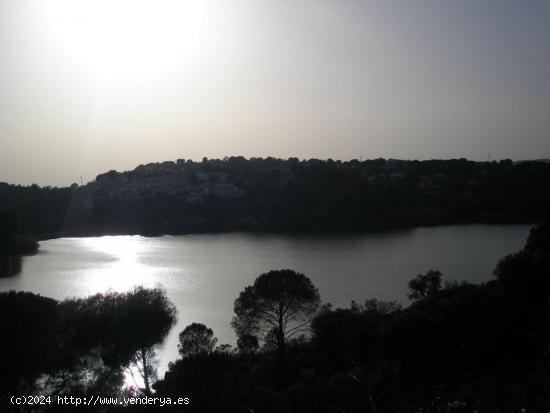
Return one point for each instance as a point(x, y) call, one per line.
point(92, 85)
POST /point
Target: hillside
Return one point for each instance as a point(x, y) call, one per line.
point(238, 194)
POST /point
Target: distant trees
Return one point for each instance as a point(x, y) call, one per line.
point(286, 195)
point(11, 242)
point(8, 228)
point(196, 339)
point(279, 305)
point(224, 349)
point(424, 285)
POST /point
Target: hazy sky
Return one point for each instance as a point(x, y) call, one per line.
point(88, 86)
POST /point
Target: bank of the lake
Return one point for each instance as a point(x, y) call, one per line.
point(203, 274)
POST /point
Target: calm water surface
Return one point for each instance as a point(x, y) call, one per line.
point(203, 274)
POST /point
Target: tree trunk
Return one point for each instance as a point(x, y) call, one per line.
point(281, 344)
point(145, 371)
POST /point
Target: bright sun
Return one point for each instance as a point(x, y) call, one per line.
point(125, 37)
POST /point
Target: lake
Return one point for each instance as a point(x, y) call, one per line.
point(203, 274)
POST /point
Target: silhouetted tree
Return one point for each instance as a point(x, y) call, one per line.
point(424, 285)
point(381, 307)
point(144, 362)
point(461, 348)
point(279, 303)
point(146, 317)
point(196, 339)
point(125, 327)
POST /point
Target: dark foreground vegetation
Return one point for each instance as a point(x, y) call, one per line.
point(234, 194)
point(456, 348)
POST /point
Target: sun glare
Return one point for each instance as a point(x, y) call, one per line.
point(125, 37)
point(126, 271)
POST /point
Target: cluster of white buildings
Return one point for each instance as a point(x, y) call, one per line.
point(159, 179)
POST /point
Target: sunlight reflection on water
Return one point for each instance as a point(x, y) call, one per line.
point(203, 274)
point(126, 271)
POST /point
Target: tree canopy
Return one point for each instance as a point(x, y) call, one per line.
point(125, 327)
point(279, 304)
point(196, 339)
point(424, 285)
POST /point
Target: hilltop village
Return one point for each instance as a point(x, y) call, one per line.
point(274, 195)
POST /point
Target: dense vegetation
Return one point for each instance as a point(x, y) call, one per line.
point(79, 346)
point(284, 195)
point(456, 348)
point(11, 241)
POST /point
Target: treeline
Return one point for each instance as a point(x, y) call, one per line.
point(11, 240)
point(285, 195)
point(457, 347)
point(13, 244)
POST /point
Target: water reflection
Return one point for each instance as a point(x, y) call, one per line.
point(124, 271)
point(203, 274)
point(10, 265)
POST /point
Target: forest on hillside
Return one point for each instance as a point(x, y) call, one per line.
point(238, 194)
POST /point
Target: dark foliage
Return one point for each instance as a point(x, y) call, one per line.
point(526, 274)
point(76, 347)
point(11, 241)
point(196, 339)
point(460, 348)
point(29, 341)
point(119, 323)
point(122, 327)
point(457, 348)
point(284, 195)
point(278, 306)
point(424, 285)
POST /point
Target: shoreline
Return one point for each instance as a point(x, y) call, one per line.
point(317, 232)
